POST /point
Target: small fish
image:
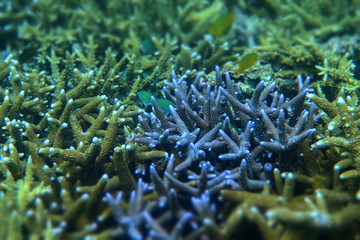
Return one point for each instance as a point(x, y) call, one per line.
point(221, 24)
point(145, 97)
point(164, 104)
point(247, 61)
point(232, 126)
point(148, 46)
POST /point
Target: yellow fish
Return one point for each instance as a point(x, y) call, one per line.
point(221, 24)
point(247, 61)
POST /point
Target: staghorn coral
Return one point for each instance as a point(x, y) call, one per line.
point(66, 132)
point(21, 204)
point(79, 151)
point(80, 159)
point(184, 134)
point(307, 38)
point(36, 29)
point(341, 132)
point(193, 129)
point(343, 72)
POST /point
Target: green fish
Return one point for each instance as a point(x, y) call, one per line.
point(232, 126)
point(145, 97)
point(247, 61)
point(164, 104)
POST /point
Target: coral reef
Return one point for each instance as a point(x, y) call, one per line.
point(179, 119)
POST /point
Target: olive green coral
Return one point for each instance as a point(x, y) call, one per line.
point(343, 132)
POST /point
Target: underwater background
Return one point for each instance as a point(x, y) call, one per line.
point(130, 119)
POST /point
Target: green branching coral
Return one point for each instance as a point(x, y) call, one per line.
point(343, 132)
point(318, 216)
point(44, 27)
point(320, 19)
point(303, 34)
point(292, 214)
point(21, 205)
point(68, 133)
point(342, 72)
point(4, 70)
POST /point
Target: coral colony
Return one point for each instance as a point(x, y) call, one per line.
point(179, 119)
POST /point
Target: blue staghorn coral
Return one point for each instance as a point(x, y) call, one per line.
point(222, 147)
point(212, 123)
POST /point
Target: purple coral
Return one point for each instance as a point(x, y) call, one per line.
point(215, 140)
point(211, 123)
